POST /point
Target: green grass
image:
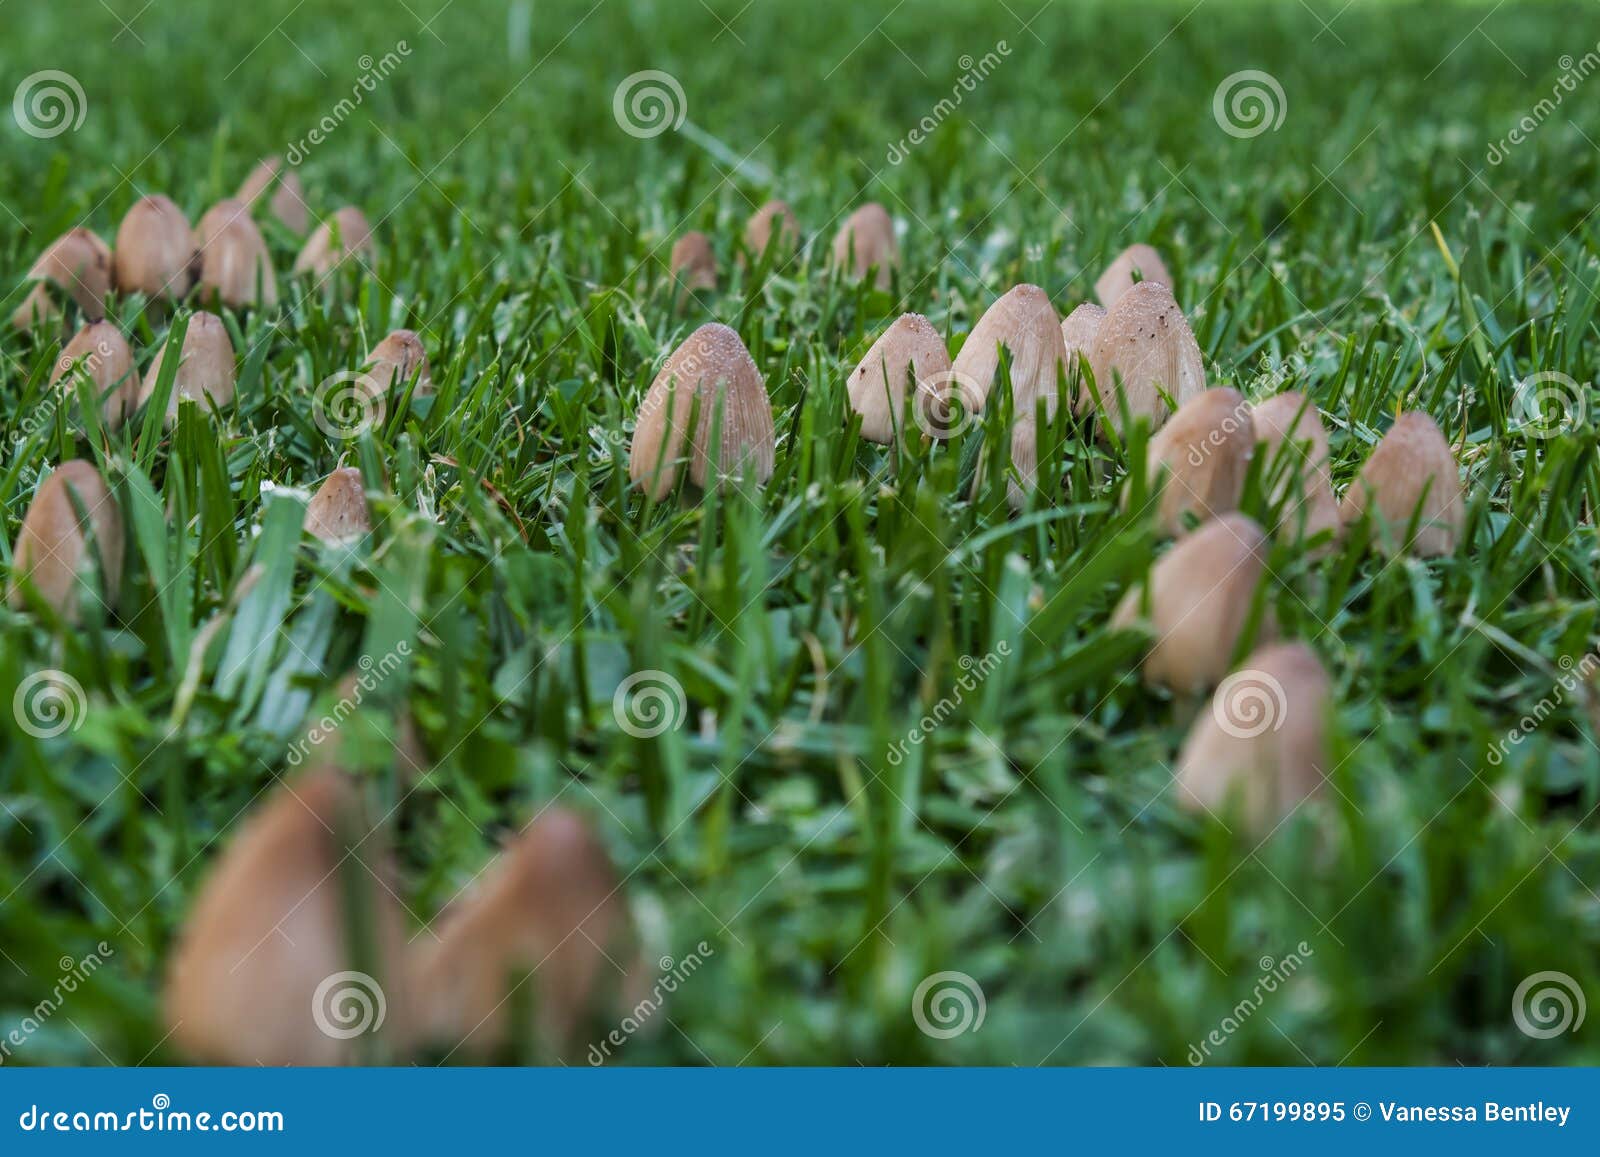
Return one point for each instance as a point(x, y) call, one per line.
point(1032, 842)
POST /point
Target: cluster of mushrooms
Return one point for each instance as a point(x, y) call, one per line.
point(1131, 357)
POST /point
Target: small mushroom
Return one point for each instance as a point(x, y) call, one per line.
point(206, 373)
point(1204, 452)
point(1024, 321)
point(1264, 738)
point(910, 348)
point(866, 242)
point(1289, 431)
point(1079, 327)
point(101, 352)
point(398, 358)
point(1199, 594)
point(1118, 277)
point(53, 555)
point(156, 250)
point(235, 265)
point(337, 513)
point(711, 368)
point(693, 263)
point(347, 235)
point(1146, 349)
point(1411, 468)
point(288, 202)
point(77, 264)
point(549, 914)
point(774, 219)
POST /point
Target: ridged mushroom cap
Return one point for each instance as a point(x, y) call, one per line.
point(100, 351)
point(263, 972)
point(206, 368)
point(550, 907)
point(1024, 321)
point(396, 359)
point(1078, 328)
point(1145, 343)
point(692, 261)
point(1411, 465)
point(774, 215)
point(337, 513)
point(909, 349)
point(52, 550)
point(1118, 276)
point(712, 367)
point(76, 264)
point(1199, 602)
point(324, 252)
point(288, 203)
point(865, 242)
point(1204, 452)
point(1289, 431)
point(156, 250)
point(235, 265)
point(1263, 737)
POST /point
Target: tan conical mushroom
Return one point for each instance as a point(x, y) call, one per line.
point(549, 910)
point(206, 368)
point(395, 360)
point(910, 348)
point(1289, 431)
point(1204, 452)
point(324, 252)
point(1411, 465)
point(1118, 277)
point(773, 216)
point(234, 263)
point(100, 351)
point(866, 242)
point(265, 971)
point(76, 265)
point(1079, 327)
point(1024, 321)
point(288, 202)
point(712, 367)
point(1200, 593)
point(53, 555)
point(1264, 738)
point(337, 513)
point(1025, 458)
point(693, 263)
point(156, 250)
point(1146, 345)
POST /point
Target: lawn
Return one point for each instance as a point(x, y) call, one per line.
point(1409, 224)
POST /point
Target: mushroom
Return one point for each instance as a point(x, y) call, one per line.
point(288, 195)
point(1204, 451)
point(99, 351)
point(324, 251)
point(910, 348)
point(53, 555)
point(1024, 321)
point(1289, 431)
point(1118, 277)
point(77, 264)
point(206, 370)
point(1144, 347)
point(773, 220)
point(1079, 327)
point(156, 252)
point(693, 263)
point(235, 266)
point(337, 513)
point(1411, 469)
point(395, 360)
point(866, 242)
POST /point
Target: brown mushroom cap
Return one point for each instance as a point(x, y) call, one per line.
point(337, 513)
point(1118, 277)
point(758, 231)
point(1288, 428)
point(1411, 465)
point(323, 252)
point(692, 261)
point(1204, 451)
point(1146, 345)
point(52, 550)
point(910, 348)
point(1079, 327)
point(100, 351)
point(78, 265)
point(398, 358)
point(865, 242)
point(1024, 321)
point(156, 250)
point(206, 368)
point(235, 265)
point(288, 197)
